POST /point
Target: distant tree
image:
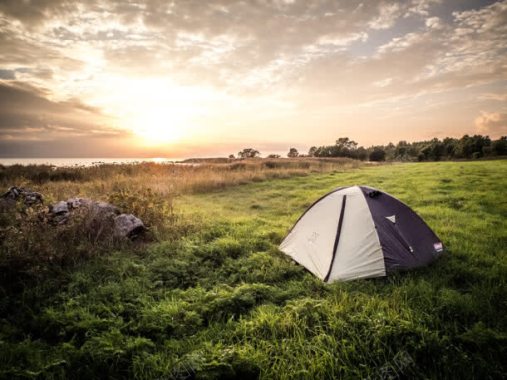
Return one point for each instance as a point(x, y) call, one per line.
point(432, 151)
point(344, 147)
point(401, 151)
point(231, 156)
point(293, 152)
point(469, 145)
point(499, 147)
point(361, 153)
point(248, 153)
point(463, 147)
point(450, 146)
point(389, 149)
point(273, 156)
point(377, 154)
point(323, 151)
point(346, 143)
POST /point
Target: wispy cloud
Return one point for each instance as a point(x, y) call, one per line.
point(492, 122)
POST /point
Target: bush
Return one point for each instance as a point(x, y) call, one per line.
point(155, 210)
point(32, 249)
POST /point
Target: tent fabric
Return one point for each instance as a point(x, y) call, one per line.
point(360, 232)
point(407, 243)
point(359, 253)
point(311, 240)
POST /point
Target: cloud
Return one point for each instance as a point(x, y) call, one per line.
point(34, 12)
point(388, 13)
point(7, 74)
point(326, 57)
point(421, 7)
point(500, 97)
point(494, 123)
point(433, 23)
point(438, 58)
point(27, 113)
point(398, 44)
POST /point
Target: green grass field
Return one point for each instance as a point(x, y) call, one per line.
point(219, 301)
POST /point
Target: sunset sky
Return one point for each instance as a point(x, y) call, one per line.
point(197, 78)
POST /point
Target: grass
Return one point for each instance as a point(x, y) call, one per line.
point(168, 180)
point(215, 299)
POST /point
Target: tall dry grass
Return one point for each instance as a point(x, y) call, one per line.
point(168, 180)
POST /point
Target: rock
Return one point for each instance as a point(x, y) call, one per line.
point(33, 198)
point(29, 197)
point(99, 213)
point(124, 225)
point(128, 226)
point(13, 193)
point(59, 213)
point(74, 203)
point(59, 208)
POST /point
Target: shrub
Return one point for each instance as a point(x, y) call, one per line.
point(154, 209)
point(32, 249)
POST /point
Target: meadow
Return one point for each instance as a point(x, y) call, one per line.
point(208, 295)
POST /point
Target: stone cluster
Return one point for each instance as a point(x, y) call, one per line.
point(60, 213)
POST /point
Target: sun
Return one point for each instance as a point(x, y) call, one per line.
point(157, 126)
point(156, 110)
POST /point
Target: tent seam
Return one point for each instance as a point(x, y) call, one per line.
point(337, 239)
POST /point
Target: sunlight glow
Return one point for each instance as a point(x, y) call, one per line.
point(157, 125)
point(155, 109)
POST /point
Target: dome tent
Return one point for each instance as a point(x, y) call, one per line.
point(360, 232)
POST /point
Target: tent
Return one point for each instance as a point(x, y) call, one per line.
point(360, 232)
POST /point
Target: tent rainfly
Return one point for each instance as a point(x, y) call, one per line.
point(360, 232)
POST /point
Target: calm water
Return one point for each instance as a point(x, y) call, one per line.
point(81, 161)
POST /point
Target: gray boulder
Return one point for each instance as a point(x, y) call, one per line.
point(59, 208)
point(128, 226)
point(59, 212)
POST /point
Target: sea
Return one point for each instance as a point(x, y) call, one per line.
point(73, 162)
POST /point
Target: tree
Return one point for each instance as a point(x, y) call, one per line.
point(346, 143)
point(432, 151)
point(248, 153)
point(401, 152)
point(361, 153)
point(293, 152)
point(499, 147)
point(231, 156)
point(344, 147)
point(377, 154)
point(467, 146)
point(312, 151)
point(450, 146)
point(273, 156)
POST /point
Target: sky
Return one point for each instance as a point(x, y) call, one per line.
point(189, 78)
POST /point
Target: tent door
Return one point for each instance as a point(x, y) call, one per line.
point(397, 233)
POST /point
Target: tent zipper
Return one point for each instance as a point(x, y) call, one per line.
point(402, 239)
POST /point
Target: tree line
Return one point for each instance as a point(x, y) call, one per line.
point(466, 147)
